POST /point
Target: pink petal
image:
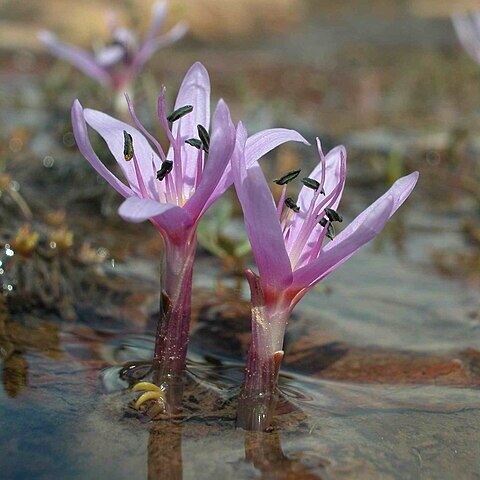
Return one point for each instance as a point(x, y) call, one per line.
point(112, 130)
point(195, 91)
point(340, 252)
point(222, 143)
point(263, 142)
point(168, 217)
point(333, 168)
point(364, 228)
point(333, 161)
point(468, 31)
point(261, 220)
point(150, 47)
point(399, 191)
point(83, 143)
point(257, 146)
point(159, 12)
point(110, 55)
point(81, 59)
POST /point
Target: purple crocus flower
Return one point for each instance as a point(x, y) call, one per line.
point(119, 63)
point(467, 27)
point(290, 247)
point(173, 190)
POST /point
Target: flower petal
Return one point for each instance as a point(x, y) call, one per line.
point(110, 55)
point(263, 142)
point(168, 217)
point(150, 46)
point(333, 162)
point(256, 147)
point(335, 171)
point(221, 148)
point(329, 260)
point(81, 136)
point(364, 228)
point(195, 91)
point(261, 219)
point(468, 32)
point(81, 59)
point(112, 130)
point(159, 12)
point(399, 191)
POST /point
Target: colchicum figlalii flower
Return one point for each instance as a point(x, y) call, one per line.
point(116, 65)
point(292, 252)
point(173, 191)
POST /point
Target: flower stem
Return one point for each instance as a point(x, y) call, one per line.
point(171, 340)
point(258, 395)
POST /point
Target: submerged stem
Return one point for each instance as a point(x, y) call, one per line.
point(171, 340)
point(258, 395)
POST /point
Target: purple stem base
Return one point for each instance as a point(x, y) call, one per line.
point(173, 328)
point(259, 395)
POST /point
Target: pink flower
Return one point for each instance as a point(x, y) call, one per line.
point(118, 64)
point(173, 190)
point(175, 203)
point(292, 255)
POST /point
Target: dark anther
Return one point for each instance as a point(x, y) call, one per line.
point(287, 177)
point(179, 113)
point(311, 183)
point(194, 142)
point(165, 169)
point(204, 137)
point(291, 204)
point(127, 146)
point(330, 231)
point(324, 222)
point(333, 215)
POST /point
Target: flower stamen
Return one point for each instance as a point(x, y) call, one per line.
point(165, 169)
point(281, 201)
point(290, 203)
point(128, 154)
point(287, 178)
point(127, 146)
point(179, 113)
point(139, 125)
point(204, 137)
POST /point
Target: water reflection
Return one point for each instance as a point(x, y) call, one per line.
point(165, 451)
point(17, 340)
point(261, 450)
point(264, 452)
point(324, 428)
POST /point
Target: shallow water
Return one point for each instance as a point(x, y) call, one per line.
point(382, 369)
point(66, 424)
point(412, 412)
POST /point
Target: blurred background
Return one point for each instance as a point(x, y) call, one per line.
point(388, 79)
